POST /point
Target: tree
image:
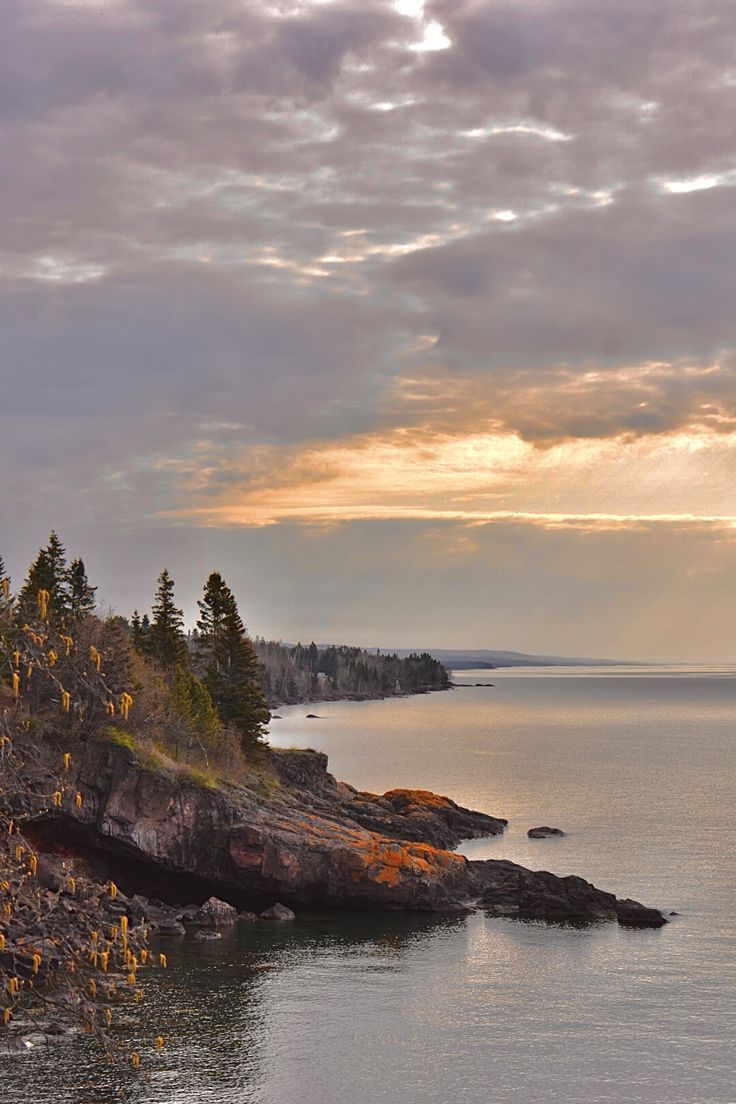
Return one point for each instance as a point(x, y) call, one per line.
point(48, 573)
point(229, 662)
point(81, 595)
point(166, 642)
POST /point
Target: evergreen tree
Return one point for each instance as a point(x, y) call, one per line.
point(4, 584)
point(166, 642)
point(81, 594)
point(229, 661)
point(47, 572)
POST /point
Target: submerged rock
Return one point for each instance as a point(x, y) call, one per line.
point(278, 912)
point(545, 832)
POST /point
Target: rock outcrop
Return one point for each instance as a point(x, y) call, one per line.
point(545, 832)
point(299, 837)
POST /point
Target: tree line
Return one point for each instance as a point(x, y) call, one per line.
point(298, 673)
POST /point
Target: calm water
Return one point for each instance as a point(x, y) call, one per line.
point(639, 768)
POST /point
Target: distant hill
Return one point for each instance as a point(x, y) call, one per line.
point(476, 659)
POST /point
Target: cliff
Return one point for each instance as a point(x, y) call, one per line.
point(293, 833)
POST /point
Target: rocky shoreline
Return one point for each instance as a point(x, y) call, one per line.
point(294, 835)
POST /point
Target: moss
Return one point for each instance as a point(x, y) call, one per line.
point(119, 736)
point(200, 776)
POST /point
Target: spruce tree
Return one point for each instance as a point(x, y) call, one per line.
point(4, 584)
point(166, 642)
point(81, 594)
point(47, 572)
point(229, 661)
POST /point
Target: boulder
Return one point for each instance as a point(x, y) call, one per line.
point(545, 832)
point(247, 918)
point(215, 914)
point(278, 912)
point(208, 935)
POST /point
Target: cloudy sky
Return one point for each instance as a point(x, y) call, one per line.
point(416, 319)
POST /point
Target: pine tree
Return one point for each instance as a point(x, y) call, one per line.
point(81, 594)
point(229, 661)
point(47, 572)
point(4, 585)
point(166, 642)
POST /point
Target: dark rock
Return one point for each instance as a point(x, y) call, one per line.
point(188, 914)
point(215, 914)
point(507, 889)
point(204, 934)
point(313, 717)
point(247, 918)
point(544, 832)
point(277, 912)
point(169, 927)
point(632, 914)
point(674, 914)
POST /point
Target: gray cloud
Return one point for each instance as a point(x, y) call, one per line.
point(247, 223)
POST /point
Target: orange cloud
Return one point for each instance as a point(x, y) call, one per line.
point(469, 476)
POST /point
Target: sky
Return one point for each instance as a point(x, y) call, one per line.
point(415, 319)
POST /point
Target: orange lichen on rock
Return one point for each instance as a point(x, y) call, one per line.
point(418, 797)
point(389, 863)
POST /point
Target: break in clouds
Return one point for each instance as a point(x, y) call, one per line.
point(256, 257)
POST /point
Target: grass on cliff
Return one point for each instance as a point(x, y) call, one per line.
point(207, 770)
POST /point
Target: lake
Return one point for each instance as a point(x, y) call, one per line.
point(637, 766)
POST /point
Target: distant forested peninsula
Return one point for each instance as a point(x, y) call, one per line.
point(294, 673)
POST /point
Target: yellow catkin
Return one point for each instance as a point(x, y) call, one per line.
point(67, 760)
point(92, 987)
point(16, 684)
point(19, 851)
point(112, 890)
point(95, 656)
point(43, 604)
point(144, 956)
point(66, 700)
point(104, 958)
point(160, 1042)
point(2, 942)
point(7, 1016)
point(124, 924)
point(68, 644)
point(52, 657)
point(36, 962)
point(138, 996)
point(5, 586)
point(110, 708)
point(33, 864)
point(108, 1016)
point(135, 1059)
point(56, 798)
point(162, 960)
point(78, 799)
point(13, 985)
point(72, 884)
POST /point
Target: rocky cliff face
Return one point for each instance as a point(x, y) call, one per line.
point(303, 838)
